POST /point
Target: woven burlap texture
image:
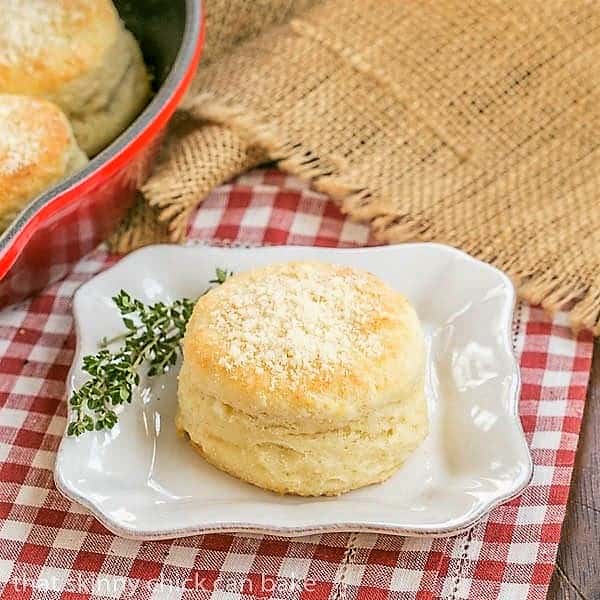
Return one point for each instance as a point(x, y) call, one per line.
point(470, 123)
point(230, 22)
point(223, 153)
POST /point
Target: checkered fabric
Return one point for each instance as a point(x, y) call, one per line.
point(52, 548)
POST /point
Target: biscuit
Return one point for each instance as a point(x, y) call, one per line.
point(304, 378)
point(37, 149)
point(77, 54)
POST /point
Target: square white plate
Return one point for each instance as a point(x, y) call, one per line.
point(143, 481)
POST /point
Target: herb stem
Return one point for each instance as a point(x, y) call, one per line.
point(105, 342)
point(154, 335)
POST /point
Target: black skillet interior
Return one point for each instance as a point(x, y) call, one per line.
point(158, 25)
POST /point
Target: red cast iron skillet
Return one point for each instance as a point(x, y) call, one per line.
point(72, 218)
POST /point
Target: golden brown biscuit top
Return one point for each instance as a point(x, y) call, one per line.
point(35, 140)
point(46, 43)
point(305, 337)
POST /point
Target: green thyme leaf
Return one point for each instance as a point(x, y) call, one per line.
point(153, 338)
point(221, 275)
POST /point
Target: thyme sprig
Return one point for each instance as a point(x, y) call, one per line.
point(153, 338)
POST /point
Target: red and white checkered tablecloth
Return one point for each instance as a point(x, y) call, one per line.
point(52, 548)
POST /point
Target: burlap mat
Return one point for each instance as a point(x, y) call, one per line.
point(470, 123)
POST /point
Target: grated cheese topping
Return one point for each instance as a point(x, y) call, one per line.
point(20, 146)
point(296, 321)
point(28, 27)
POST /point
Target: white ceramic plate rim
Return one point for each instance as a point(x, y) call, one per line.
point(307, 528)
